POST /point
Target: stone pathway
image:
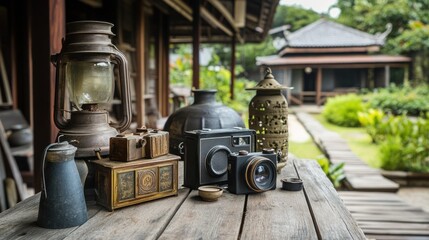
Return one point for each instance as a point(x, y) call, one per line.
point(359, 176)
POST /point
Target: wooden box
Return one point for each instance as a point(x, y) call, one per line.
point(145, 143)
point(127, 148)
point(157, 143)
point(121, 184)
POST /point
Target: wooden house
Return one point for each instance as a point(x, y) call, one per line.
point(326, 58)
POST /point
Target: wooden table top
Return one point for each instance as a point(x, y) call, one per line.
point(316, 212)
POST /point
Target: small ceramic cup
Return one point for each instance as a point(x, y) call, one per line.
point(210, 193)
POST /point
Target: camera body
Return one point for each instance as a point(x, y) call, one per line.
point(252, 172)
point(207, 151)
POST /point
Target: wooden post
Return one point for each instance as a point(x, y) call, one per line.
point(386, 75)
point(196, 26)
point(318, 86)
point(48, 19)
point(232, 83)
point(163, 92)
point(23, 84)
point(166, 65)
point(140, 81)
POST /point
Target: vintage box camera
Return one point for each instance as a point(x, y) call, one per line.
point(144, 143)
point(121, 184)
point(207, 151)
point(252, 172)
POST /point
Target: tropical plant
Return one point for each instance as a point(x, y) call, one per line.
point(372, 120)
point(335, 172)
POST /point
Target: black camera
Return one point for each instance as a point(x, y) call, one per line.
point(252, 172)
point(207, 152)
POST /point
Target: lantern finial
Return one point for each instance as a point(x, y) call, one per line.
point(268, 73)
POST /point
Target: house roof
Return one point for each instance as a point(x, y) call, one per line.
point(325, 33)
point(337, 60)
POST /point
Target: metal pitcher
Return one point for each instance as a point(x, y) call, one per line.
point(62, 201)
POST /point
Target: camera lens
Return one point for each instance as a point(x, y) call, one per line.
point(217, 160)
point(260, 174)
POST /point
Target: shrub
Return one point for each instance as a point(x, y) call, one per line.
point(401, 100)
point(343, 110)
point(406, 144)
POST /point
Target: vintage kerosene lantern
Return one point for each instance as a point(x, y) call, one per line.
point(85, 79)
point(268, 116)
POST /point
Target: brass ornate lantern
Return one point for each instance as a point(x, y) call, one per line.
point(85, 79)
point(268, 116)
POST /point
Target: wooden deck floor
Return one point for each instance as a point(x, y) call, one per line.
point(378, 210)
point(386, 216)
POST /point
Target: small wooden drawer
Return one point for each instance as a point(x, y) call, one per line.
point(121, 184)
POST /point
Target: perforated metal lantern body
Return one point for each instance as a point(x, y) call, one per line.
point(85, 79)
point(268, 116)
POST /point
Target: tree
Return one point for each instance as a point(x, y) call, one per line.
point(409, 19)
point(295, 16)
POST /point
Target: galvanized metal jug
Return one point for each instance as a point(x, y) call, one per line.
point(62, 202)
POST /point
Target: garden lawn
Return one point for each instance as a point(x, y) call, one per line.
point(307, 149)
point(358, 140)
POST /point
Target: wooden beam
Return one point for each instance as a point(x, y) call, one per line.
point(181, 8)
point(48, 20)
point(214, 22)
point(240, 13)
point(141, 63)
point(318, 86)
point(196, 24)
point(229, 17)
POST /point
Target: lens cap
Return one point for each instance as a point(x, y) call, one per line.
point(291, 184)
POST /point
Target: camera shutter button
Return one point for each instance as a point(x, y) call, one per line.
point(267, 151)
point(243, 152)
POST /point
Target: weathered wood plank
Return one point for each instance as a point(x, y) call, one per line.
point(143, 221)
point(391, 225)
point(361, 218)
point(378, 209)
point(371, 183)
point(20, 222)
point(289, 215)
point(197, 219)
point(400, 237)
point(333, 219)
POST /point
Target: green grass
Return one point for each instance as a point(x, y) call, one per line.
point(307, 149)
point(358, 140)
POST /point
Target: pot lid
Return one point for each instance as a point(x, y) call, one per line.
point(61, 146)
point(268, 83)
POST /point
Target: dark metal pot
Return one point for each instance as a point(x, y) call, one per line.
point(20, 136)
point(205, 112)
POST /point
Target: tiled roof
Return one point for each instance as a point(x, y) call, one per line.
point(324, 33)
point(275, 60)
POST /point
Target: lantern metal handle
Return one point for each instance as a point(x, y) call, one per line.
point(125, 91)
point(59, 119)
